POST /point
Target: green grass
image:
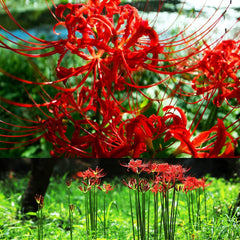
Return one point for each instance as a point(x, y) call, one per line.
point(219, 225)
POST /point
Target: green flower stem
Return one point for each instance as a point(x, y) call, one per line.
point(174, 213)
point(156, 216)
point(188, 207)
point(205, 203)
point(143, 217)
point(104, 215)
point(166, 215)
point(70, 212)
point(198, 201)
point(39, 231)
point(131, 208)
point(87, 212)
point(137, 213)
point(148, 218)
point(40, 222)
point(192, 205)
point(210, 121)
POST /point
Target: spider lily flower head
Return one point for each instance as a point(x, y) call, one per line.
point(106, 187)
point(168, 176)
point(91, 174)
point(192, 183)
point(140, 131)
point(137, 166)
point(131, 184)
point(85, 187)
point(156, 187)
point(173, 174)
point(106, 42)
point(203, 184)
point(217, 72)
point(161, 185)
point(72, 207)
point(141, 185)
point(40, 200)
point(157, 168)
point(144, 185)
point(214, 143)
point(113, 40)
point(112, 137)
point(89, 183)
point(68, 182)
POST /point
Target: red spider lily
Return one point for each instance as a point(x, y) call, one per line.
point(105, 42)
point(85, 188)
point(161, 185)
point(39, 199)
point(114, 49)
point(69, 182)
point(142, 131)
point(216, 142)
point(156, 188)
point(91, 174)
point(72, 207)
point(106, 188)
point(174, 173)
point(143, 185)
point(89, 183)
point(168, 178)
point(202, 183)
point(156, 168)
point(137, 166)
point(218, 72)
point(130, 43)
point(113, 137)
point(131, 184)
point(56, 128)
point(192, 183)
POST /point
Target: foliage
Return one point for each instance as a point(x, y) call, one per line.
point(220, 197)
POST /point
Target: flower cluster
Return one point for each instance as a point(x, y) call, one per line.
point(218, 73)
point(91, 178)
point(164, 177)
point(192, 183)
point(96, 105)
point(165, 181)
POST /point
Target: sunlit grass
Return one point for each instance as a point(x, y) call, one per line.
point(219, 225)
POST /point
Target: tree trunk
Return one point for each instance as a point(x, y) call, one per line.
point(38, 183)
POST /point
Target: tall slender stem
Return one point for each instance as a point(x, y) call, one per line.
point(131, 207)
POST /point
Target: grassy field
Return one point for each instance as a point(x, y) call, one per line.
point(217, 225)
